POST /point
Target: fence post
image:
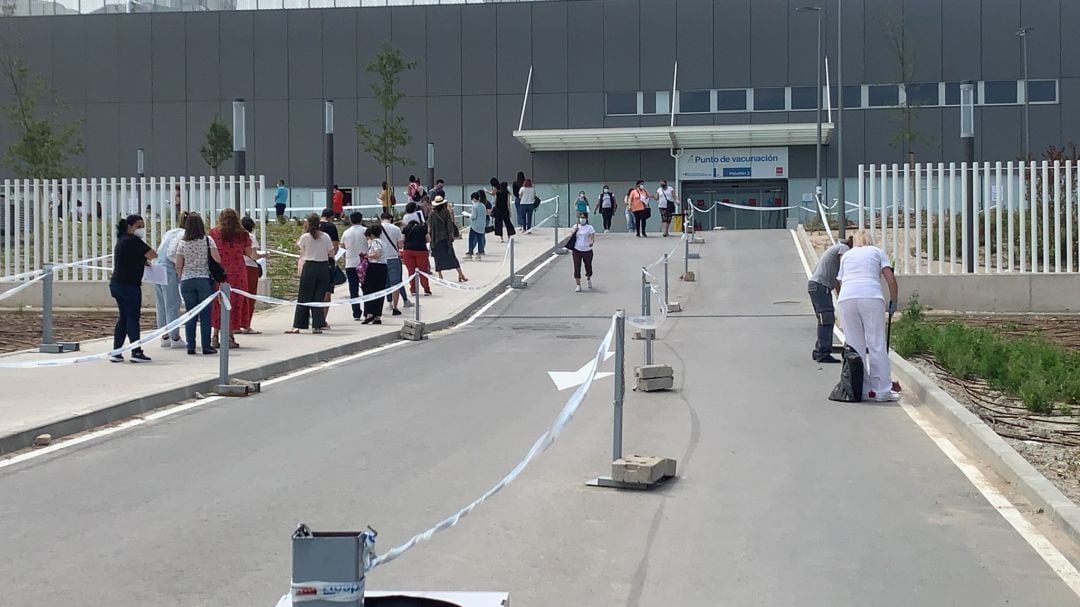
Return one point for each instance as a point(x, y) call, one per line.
point(49, 345)
point(620, 383)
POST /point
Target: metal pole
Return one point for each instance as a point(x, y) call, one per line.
point(226, 337)
point(817, 162)
point(557, 223)
point(647, 312)
point(666, 300)
point(1027, 105)
point(969, 202)
point(239, 146)
point(47, 305)
point(431, 165)
point(328, 132)
point(140, 170)
point(416, 293)
point(686, 255)
point(513, 279)
point(842, 204)
point(620, 382)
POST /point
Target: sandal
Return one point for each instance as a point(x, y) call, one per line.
point(233, 344)
point(292, 331)
point(249, 332)
point(462, 279)
point(215, 342)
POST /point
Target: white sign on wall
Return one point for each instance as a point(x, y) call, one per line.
point(733, 163)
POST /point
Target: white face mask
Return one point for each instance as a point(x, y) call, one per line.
point(141, 233)
point(582, 220)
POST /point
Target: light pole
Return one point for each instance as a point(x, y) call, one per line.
point(842, 203)
point(140, 171)
point(967, 136)
point(239, 145)
point(1022, 33)
point(328, 131)
point(817, 164)
point(431, 165)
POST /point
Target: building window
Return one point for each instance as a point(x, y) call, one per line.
point(731, 101)
point(922, 94)
point(883, 95)
point(663, 102)
point(622, 104)
point(1042, 91)
point(648, 103)
point(852, 96)
point(770, 99)
point(695, 102)
point(999, 92)
point(804, 98)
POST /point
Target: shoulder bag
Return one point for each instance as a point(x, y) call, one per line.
point(571, 243)
point(217, 272)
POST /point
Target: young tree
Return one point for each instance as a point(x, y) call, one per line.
point(43, 144)
point(217, 144)
point(907, 134)
point(383, 138)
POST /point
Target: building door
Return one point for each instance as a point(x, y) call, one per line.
point(739, 205)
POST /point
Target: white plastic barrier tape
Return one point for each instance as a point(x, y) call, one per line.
point(326, 304)
point(670, 254)
point(542, 444)
point(147, 339)
point(653, 321)
point(537, 224)
point(285, 253)
point(22, 287)
point(824, 218)
point(22, 276)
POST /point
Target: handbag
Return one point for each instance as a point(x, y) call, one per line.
point(217, 272)
point(361, 267)
point(536, 202)
point(337, 275)
point(571, 243)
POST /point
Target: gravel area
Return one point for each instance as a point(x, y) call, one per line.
point(22, 330)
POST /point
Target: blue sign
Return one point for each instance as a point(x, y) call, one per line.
point(737, 172)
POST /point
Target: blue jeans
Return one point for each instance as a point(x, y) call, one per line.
point(393, 276)
point(194, 291)
point(167, 300)
point(128, 303)
point(477, 241)
point(520, 213)
point(526, 216)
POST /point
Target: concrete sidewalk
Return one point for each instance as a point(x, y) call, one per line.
point(69, 399)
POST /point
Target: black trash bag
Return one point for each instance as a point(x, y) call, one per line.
point(850, 388)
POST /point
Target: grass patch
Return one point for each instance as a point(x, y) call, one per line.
point(1040, 373)
point(282, 236)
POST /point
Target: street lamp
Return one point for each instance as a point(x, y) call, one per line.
point(431, 164)
point(1022, 33)
point(842, 203)
point(967, 136)
point(817, 164)
point(140, 171)
point(328, 131)
point(239, 145)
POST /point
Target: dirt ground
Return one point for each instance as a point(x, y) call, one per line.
point(22, 330)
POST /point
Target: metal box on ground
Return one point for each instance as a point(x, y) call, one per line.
point(327, 568)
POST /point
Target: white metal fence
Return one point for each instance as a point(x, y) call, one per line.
point(1025, 215)
point(66, 220)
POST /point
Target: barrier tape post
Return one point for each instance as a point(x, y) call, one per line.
point(686, 256)
point(49, 344)
point(666, 299)
point(558, 250)
point(620, 383)
point(647, 312)
point(515, 282)
point(225, 387)
point(416, 294)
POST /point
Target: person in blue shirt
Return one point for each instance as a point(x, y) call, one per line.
point(477, 226)
point(582, 205)
point(281, 199)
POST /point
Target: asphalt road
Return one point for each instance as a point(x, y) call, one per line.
point(784, 498)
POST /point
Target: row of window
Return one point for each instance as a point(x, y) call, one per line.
point(784, 99)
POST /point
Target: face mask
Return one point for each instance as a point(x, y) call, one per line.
point(607, 191)
point(141, 233)
point(582, 220)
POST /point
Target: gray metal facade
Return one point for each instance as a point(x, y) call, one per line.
point(155, 80)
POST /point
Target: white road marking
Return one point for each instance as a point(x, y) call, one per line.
point(1035, 538)
point(571, 379)
point(164, 412)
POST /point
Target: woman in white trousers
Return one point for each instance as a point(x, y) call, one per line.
point(862, 312)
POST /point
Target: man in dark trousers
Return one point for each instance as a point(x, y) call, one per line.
point(821, 285)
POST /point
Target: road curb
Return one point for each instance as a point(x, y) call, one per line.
point(990, 447)
point(987, 445)
point(120, 411)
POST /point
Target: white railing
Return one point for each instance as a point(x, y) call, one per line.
point(63, 220)
point(1024, 215)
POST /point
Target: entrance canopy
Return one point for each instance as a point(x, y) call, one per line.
point(679, 137)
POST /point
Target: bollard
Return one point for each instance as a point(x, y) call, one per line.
point(666, 299)
point(225, 387)
point(516, 282)
point(416, 294)
point(686, 256)
point(620, 383)
point(49, 345)
point(649, 333)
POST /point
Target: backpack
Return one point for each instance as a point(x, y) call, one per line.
point(416, 192)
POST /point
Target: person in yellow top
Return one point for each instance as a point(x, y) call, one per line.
point(639, 206)
point(386, 199)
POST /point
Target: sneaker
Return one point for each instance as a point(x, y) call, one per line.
point(166, 342)
point(178, 343)
point(468, 257)
point(577, 289)
point(828, 358)
point(408, 304)
point(138, 356)
point(395, 312)
point(116, 358)
point(607, 231)
point(589, 282)
point(887, 397)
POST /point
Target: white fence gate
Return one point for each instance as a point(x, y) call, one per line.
point(67, 220)
point(1025, 215)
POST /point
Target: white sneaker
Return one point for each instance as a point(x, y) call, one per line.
point(468, 257)
point(178, 344)
point(887, 397)
point(116, 358)
point(590, 284)
point(577, 289)
point(166, 342)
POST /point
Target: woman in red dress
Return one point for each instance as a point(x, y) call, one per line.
point(234, 243)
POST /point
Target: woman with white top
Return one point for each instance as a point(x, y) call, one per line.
point(584, 238)
point(528, 200)
point(375, 278)
point(315, 248)
point(167, 296)
point(862, 312)
point(191, 254)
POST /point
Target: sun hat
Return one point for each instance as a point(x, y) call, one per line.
point(439, 201)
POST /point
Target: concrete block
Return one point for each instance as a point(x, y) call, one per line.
point(697, 240)
point(674, 306)
point(518, 282)
point(412, 330)
point(688, 277)
point(642, 470)
point(655, 384)
point(42, 440)
point(652, 371)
